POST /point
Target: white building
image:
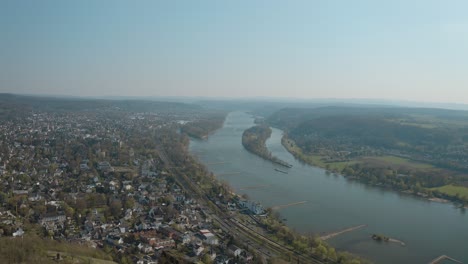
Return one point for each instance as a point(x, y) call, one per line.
point(254, 207)
point(209, 237)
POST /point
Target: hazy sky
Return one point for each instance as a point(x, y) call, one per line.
point(395, 49)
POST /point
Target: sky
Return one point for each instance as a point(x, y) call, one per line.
point(413, 50)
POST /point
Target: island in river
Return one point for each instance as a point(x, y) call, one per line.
point(254, 139)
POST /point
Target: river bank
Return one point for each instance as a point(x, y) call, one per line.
point(334, 202)
point(297, 152)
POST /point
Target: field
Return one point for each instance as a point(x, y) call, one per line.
point(453, 190)
point(378, 161)
point(339, 166)
point(396, 162)
point(74, 258)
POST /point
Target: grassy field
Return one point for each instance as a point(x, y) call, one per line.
point(453, 190)
point(73, 258)
point(380, 161)
point(396, 162)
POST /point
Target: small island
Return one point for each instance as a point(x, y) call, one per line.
point(380, 238)
point(254, 140)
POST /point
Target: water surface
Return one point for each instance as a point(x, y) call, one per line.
point(429, 229)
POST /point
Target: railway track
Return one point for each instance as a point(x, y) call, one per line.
point(261, 243)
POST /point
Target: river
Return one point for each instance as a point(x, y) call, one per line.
point(429, 229)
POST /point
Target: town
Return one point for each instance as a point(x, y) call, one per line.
point(80, 177)
point(123, 182)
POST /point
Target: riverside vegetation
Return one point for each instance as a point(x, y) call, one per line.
point(421, 151)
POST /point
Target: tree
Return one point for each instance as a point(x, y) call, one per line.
point(207, 259)
point(332, 254)
point(80, 205)
point(129, 203)
point(69, 211)
point(3, 197)
point(116, 208)
point(321, 251)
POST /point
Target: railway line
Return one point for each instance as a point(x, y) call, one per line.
point(262, 244)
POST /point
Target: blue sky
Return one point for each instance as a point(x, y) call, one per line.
point(408, 50)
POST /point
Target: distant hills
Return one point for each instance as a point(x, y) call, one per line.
point(15, 102)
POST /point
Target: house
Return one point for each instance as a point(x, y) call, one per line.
point(114, 240)
point(145, 248)
point(84, 165)
point(163, 243)
point(231, 206)
point(113, 185)
point(179, 198)
point(18, 232)
point(35, 197)
point(147, 235)
point(52, 219)
point(208, 237)
point(171, 232)
point(104, 166)
point(246, 256)
point(198, 249)
point(234, 250)
point(186, 238)
point(20, 192)
point(254, 207)
point(222, 260)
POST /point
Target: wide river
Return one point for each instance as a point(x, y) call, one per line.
point(428, 229)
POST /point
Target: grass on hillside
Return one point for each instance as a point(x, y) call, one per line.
point(453, 190)
point(32, 249)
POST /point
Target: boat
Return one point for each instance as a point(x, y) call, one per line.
point(278, 170)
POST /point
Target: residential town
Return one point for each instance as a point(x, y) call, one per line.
point(116, 177)
point(84, 178)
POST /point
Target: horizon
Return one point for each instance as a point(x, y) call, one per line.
point(392, 51)
point(273, 100)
